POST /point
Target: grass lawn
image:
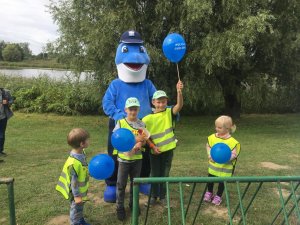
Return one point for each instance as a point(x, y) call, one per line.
point(34, 63)
point(36, 148)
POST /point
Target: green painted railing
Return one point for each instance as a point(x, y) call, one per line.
point(243, 209)
point(11, 202)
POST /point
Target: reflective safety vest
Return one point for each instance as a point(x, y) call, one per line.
point(226, 169)
point(138, 155)
point(160, 125)
point(64, 182)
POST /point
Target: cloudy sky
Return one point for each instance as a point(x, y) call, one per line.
point(27, 21)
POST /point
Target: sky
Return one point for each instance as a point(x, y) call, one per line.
point(27, 21)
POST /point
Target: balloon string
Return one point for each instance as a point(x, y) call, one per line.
point(178, 71)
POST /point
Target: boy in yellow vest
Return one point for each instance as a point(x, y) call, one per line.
point(160, 126)
point(74, 180)
point(130, 163)
point(224, 129)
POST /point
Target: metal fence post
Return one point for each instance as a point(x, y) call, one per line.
point(10, 188)
point(135, 207)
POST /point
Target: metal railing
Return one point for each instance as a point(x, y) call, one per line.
point(11, 202)
point(285, 212)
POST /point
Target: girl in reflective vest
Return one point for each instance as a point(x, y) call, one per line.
point(224, 129)
point(73, 182)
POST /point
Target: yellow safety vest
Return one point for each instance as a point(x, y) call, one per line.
point(223, 170)
point(160, 125)
point(64, 182)
point(124, 124)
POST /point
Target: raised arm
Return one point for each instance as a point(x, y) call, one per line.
point(179, 104)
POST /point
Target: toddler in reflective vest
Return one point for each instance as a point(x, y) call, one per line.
point(224, 128)
point(73, 182)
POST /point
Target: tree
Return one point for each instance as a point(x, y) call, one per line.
point(27, 53)
point(228, 41)
point(243, 39)
point(12, 53)
point(2, 46)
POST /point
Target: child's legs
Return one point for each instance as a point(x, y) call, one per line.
point(76, 213)
point(135, 171)
point(210, 186)
point(155, 172)
point(220, 189)
point(123, 172)
point(166, 163)
point(146, 168)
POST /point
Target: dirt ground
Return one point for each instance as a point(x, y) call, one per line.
point(274, 166)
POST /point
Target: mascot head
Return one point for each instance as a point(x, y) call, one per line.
point(131, 58)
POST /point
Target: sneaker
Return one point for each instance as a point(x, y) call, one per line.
point(208, 197)
point(217, 200)
point(121, 214)
point(82, 222)
point(152, 202)
point(3, 154)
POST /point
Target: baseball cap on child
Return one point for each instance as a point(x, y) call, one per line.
point(132, 102)
point(159, 94)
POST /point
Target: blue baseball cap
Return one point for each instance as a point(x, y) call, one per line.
point(131, 36)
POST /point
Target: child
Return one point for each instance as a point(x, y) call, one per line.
point(224, 129)
point(130, 163)
point(74, 180)
point(160, 125)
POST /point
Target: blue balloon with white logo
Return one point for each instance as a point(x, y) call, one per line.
point(220, 153)
point(123, 140)
point(174, 47)
point(101, 166)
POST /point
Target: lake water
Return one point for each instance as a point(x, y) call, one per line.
point(52, 73)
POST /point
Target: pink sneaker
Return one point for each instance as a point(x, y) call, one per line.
point(217, 200)
point(208, 196)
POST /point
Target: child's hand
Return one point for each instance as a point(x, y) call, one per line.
point(156, 150)
point(179, 85)
point(210, 159)
point(138, 146)
point(130, 153)
point(78, 200)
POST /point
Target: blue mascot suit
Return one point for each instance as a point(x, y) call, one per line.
point(132, 61)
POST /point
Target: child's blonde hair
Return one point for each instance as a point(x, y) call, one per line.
point(227, 123)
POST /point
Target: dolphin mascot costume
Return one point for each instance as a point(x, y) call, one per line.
point(132, 61)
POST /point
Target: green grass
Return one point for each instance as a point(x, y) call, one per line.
point(36, 147)
point(34, 63)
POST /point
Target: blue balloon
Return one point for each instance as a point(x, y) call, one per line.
point(220, 153)
point(101, 166)
point(123, 140)
point(174, 47)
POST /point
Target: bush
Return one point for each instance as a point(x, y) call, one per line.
point(45, 95)
point(12, 53)
point(202, 96)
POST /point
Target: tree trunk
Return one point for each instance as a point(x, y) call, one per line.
point(231, 89)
